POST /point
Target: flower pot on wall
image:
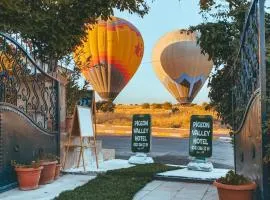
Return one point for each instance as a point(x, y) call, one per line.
point(235, 192)
point(28, 178)
point(48, 172)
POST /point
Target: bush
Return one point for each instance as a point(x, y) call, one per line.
point(105, 106)
point(232, 178)
point(175, 110)
point(145, 105)
point(167, 106)
point(156, 106)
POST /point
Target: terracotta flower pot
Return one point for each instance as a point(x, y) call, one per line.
point(48, 172)
point(235, 192)
point(57, 171)
point(28, 178)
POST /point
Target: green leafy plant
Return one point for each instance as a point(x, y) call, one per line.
point(33, 164)
point(49, 157)
point(220, 36)
point(74, 91)
point(266, 158)
point(56, 27)
point(233, 178)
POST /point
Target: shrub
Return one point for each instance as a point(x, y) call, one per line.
point(232, 178)
point(105, 106)
point(145, 105)
point(175, 110)
point(167, 106)
point(156, 106)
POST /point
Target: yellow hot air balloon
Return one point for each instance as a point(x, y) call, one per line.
point(179, 64)
point(6, 63)
point(110, 55)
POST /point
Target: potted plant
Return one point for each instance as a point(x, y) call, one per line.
point(48, 161)
point(28, 176)
point(235, 187)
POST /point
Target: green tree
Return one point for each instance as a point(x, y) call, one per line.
point(73, 91)
point(220, 36)
point(55, 27)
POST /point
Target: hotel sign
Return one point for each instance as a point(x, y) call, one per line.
point(201, 134)
point(141, 133)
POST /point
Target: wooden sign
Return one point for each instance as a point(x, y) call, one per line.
point(141, 133)
point(83, 127)
point(85, 119)
point(201, 134)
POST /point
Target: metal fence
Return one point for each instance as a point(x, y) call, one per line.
point(25, 84)
point(252, 82)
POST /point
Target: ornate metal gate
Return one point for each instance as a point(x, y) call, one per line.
point(250, 97)
point(29, 108)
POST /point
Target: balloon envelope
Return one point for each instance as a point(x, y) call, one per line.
point(110, 55)
point(180, 66)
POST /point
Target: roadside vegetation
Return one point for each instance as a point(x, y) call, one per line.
point(120, 184)
point(163, 115)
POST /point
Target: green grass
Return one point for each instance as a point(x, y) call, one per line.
point(120, 184)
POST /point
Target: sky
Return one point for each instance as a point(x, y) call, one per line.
point(164, 16)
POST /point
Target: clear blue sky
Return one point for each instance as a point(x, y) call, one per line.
point(164, 16)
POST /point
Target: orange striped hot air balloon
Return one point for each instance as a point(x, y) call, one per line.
point(110, 55)
point(180, 66)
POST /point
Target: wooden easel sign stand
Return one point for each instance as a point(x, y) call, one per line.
point(84, 129)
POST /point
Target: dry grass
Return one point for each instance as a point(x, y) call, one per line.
point(160, 117)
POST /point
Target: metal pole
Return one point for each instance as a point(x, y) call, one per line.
point(58, 119)
point(263, 81)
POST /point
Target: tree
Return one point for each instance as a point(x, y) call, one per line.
point(145, 105)
point(175, 110)
point(105, 106)
point(220, 40)
point(156, 106)
point(73, 91)
point(56, 27)
point(167, 106)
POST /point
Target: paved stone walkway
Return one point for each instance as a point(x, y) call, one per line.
point(48, 191)
point(164, 190)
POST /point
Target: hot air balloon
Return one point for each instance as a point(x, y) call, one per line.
point(110, 55)
point(179, 64)
point(6, 63)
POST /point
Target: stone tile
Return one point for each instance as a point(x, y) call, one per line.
point(171, 186)
point(153, 185)
point(160, 195)
point(192, 191)
point(49, 191)
point(139, 195)
point(211, 194)
point(162, 190)
point(216, 173)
